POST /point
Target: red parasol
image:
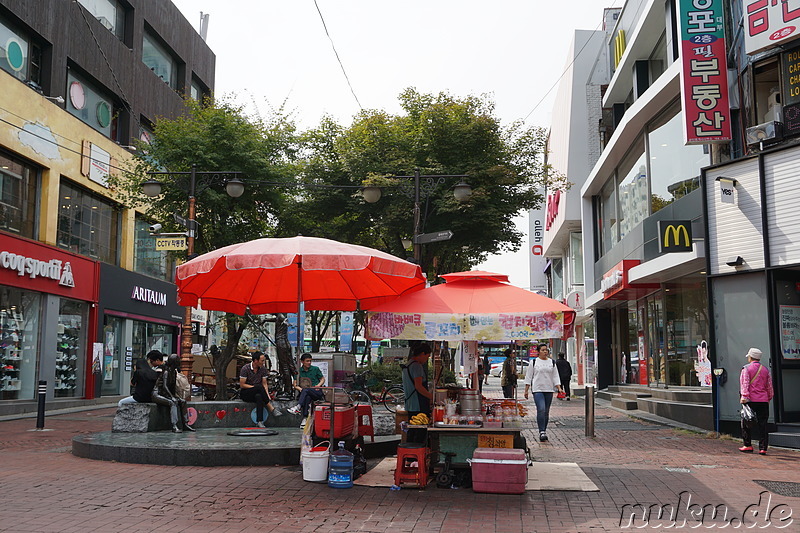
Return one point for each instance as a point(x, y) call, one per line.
point(274, 275)
point(472, 305)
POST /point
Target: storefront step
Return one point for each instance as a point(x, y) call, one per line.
point(633, 395)
point(625, 404)
point(676, 394)
point(693, 414)
point(785, 440)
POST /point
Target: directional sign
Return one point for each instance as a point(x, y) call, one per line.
point(436, 236)
point(170, 243)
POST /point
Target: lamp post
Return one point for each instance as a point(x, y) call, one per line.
point(426, 184)
point(234, 187)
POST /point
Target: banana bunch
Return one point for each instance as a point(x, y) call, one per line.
point(420, 419)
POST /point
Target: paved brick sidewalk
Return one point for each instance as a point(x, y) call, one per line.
point(44, 488)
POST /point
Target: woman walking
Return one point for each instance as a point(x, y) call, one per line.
point(755, 385)
point(542, 378)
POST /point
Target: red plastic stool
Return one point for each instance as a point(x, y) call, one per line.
point(365, 425)
point(412, 464)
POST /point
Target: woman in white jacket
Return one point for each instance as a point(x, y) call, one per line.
point(542, 379)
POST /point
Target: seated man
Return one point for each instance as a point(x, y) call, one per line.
point(307, 378)
point(253, 384)
point(144, 378)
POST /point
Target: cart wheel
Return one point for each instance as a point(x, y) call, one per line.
point(444, 480)
point(360, 397)
point(394, 397)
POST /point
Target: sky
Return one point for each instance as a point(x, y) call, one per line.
point(272, 54)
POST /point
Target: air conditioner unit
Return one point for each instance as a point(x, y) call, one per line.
point(107, 23)
point(766, 132)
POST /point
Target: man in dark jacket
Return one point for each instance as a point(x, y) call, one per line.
point(144, 378)
point(564, 372)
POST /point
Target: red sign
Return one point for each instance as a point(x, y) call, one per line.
point(615, 284)
point(704, 74)
point(553, 200)
point(38, 267)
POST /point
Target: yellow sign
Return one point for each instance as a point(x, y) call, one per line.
point(170, 243)
point(675, 235)
point(486, 440)
point(619, 47)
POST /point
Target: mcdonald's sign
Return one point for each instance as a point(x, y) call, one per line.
point(674, 236)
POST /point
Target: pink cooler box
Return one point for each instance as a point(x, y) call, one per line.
point(499, 470)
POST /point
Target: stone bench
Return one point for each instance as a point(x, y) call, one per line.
point(144, 417)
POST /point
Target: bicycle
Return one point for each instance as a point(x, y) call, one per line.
point(391, 395)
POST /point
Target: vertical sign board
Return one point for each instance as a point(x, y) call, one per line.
point(704, 73)
point(346, 332)
point(538, 278)
point(296, 323)
point(790, 331)
point(769, 23)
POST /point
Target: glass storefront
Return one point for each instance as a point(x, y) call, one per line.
point(19, 340)
point(70, 348)
point(686, 321)
point(149, 336)
point(113, 348)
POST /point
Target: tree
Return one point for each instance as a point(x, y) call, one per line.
point(217, 136)
point(438, 134)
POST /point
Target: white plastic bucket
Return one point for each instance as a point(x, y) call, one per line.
point(315, 465)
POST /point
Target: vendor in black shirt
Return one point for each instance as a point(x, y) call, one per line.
point(144, 378)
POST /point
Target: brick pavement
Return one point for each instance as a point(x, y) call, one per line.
point(44, 488)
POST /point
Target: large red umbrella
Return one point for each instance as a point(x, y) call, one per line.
point(473, 305)
point(274, 275)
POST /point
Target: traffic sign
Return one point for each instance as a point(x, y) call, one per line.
point(426, 238)
point(170, 243)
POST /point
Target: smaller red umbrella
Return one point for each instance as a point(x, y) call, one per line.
point(473, 305)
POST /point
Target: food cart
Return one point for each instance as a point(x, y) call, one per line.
point(470, 307)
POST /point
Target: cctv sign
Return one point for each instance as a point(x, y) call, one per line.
point(170, 243)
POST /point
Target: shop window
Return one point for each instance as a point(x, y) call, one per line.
point(576, 257)
point(146, 259)
point(557, 272)
point(658, 61)
point(149, 336)
point(87, 224)
point(686, 307)
point(159, 60)
point(18, 192)
point(113, 348)
point(92, 105)
point(70, 349)
point(674, 167)
point(109, 13)
point(633, 189)
point(766, 93)
point(14, 52)
point(19, 337)
point(607, 224)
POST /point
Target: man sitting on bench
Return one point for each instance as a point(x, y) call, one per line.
point(307, 378)
point(253, 385)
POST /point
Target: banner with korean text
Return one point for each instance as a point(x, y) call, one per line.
point(770, 23)
point(459, 327)
point(704, 73)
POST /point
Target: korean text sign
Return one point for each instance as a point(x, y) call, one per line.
point(769, 23)
point(704, 74)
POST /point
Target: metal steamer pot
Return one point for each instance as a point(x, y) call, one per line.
point(470, 402)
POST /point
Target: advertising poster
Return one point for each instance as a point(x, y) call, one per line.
point(346, 332)
point(790, 331)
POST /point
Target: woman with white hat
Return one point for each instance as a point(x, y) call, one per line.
point(755, 384)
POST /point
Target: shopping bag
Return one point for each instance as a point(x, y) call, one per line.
point(748, 416)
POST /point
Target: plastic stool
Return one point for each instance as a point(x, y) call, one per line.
point(364, 413)
point(412, 464)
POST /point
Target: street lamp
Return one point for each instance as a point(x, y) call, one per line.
point(461, 192)
point(234, 187)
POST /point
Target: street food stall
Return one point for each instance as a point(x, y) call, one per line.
point(470, 307)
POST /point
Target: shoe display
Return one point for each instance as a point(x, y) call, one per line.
point(746, 449)
point(294, 410)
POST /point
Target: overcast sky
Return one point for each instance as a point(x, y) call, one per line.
point(274, 53)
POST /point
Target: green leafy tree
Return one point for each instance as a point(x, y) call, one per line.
point(438, 134)
point(217, 136)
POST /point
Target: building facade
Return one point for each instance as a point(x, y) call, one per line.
point(82, 82)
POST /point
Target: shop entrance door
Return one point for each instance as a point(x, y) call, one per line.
point(111, 365)
point(787, 361)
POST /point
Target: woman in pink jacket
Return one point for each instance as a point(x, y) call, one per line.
point(755, 384)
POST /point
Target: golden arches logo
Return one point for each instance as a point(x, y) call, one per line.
point(677, 232)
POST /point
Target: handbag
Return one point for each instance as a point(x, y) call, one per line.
point(748, 415)
point(561, 395)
